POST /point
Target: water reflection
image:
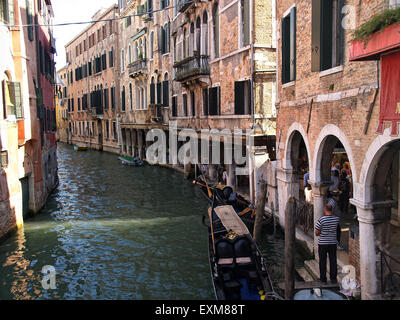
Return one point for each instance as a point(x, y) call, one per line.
point(114, 232)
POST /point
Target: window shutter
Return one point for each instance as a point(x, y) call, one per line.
point(214, 94)
point(326, 35)
point(341, 34)
point(165, 94)
point(293, 44)
point(14, 89)
point(152, 93)
point(162, 40)
point(11, 12)
point(205, 102)
point(246, 22)
point(239, 97)
point(159, 93)
point(285, 39)
point(316, 36)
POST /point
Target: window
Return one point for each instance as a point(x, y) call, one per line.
point(107, 130)
point(165, 91)
point(174, 105)
point(4, 159)
point(130, 97)
point(214, 100)
point(152, 92)
point(122, 60)
point(151, 44)
point(192, 103)
point(215, 13)
point(111, 57)
point(29, 19)
point(243, 97)
point(245, 22)
point(159, 97)
point(114, 130)
point(104, 61)
point(113, 98)
point(163, 4)
point(205, 102)
point(288, 26)
point(327, 34)
point(12, 99)
point(7, 11)
point(105, 98)
point(185, 107)
point(123, 98)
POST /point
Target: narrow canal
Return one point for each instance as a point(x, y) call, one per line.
point(115, 232)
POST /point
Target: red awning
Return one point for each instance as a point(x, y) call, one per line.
point(380, 42)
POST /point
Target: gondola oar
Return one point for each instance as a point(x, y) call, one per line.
point(211, 224)
point(208, 189)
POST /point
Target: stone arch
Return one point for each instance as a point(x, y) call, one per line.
point(291, 136)
point(376, 166)
point(322, 153)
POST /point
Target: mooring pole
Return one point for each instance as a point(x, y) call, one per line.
point(290, 250)
point(260, 209)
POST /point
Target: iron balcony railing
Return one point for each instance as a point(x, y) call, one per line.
point(191, 67)
point(137, 67)
point(184, 4)
point(390, 276)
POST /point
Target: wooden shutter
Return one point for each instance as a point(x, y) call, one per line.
point(205, 102)
point(152, 93)
point(316, 36)
point(326, 35)
point(165, 94)
point(163, 47)
point(159, 98)
point(293, 44)
point(285, 39)
point(341, 34)
point(246, 22)
point(214, 101)
point(239, 97)
point(14, 90)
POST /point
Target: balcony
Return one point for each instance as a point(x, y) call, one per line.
point(184, 4)
point(191, 68)
point(137, 68)
point(154, 113)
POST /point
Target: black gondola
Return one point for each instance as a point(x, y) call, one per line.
point(238, 270)
point(224, 195)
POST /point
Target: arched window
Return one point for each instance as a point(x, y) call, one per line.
point(204, 34)
point(184, 44)
point(197, 35)
point(191, 40)
point(145, 48)
point(215, 13)
point(159, 94)
point(129, 54)
point(151, 44)
point(152, 91)
point(130, 96)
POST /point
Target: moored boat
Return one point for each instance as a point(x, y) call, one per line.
point(131, 161)
point(224, 195)
point(80, 147)
point(238, 270)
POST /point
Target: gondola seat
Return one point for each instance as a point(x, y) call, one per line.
point(225, 254)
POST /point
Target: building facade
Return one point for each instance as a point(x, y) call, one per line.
point(27, 123)
point(330, 112)
point(61, 103)
point(92, 88)
point(200, 65)
point(145, 67)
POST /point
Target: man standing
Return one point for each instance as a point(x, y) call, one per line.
point(326, 228)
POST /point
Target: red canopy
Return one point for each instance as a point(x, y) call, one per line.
point(380, 42)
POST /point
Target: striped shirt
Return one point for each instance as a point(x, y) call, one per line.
point(327, 225)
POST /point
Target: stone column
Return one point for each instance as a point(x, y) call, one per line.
point(140, 143)
point(374, 233)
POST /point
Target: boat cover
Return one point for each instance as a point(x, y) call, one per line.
point(231, 220)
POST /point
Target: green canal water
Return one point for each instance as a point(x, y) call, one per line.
point(116, 232)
